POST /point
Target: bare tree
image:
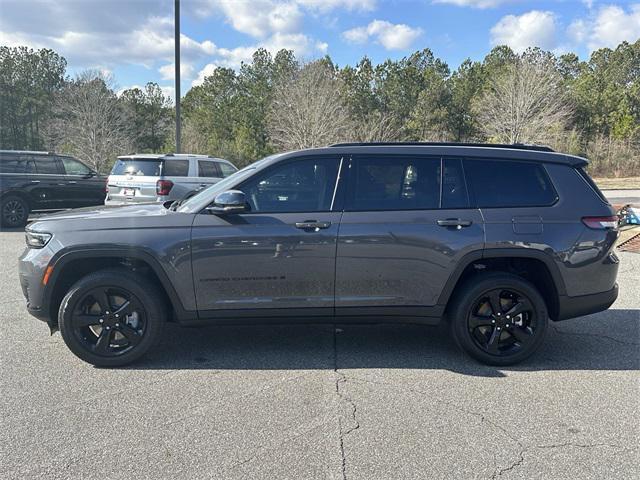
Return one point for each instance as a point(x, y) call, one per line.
point(377, 126)
point(307, 110)
point(89, 121)
point(524, 104)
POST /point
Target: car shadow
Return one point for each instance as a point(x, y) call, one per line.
point(606, 341)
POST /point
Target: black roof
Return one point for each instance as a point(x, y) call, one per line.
point(494, 151)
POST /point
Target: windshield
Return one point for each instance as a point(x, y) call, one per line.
point(205, 197)
point(148, 167)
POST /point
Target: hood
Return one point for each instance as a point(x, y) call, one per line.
point(102, 212)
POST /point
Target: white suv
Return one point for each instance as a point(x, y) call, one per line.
point(144, 178)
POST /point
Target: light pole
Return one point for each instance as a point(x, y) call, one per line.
point(177, 70)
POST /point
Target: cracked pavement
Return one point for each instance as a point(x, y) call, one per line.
point(345, 402)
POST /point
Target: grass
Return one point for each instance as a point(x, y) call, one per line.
point(618, 183)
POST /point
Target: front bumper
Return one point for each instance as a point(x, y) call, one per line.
point(31, 268)
point(572, 307)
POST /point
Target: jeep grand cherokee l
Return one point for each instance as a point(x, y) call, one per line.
point(496, 240)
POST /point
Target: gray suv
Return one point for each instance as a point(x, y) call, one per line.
point(495, 239)
point(144, 178)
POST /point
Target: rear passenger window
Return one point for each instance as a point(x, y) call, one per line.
point(46, 166)
point(395, 183)
point(226, 169)
point(498, 183)
point(454, 189)
point(176, 168)
point(208, 169)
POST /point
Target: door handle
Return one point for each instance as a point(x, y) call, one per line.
point(204, 184)
point(454, 222)
point(35, 182)
point(72, 182)
point(312, 225)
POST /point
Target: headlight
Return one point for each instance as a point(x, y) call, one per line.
point(37, 239)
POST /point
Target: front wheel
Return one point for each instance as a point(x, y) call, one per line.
point(112, 317)
point(498, 318)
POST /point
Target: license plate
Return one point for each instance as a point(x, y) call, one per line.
point(129, 192)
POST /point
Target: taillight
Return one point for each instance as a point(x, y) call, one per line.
point(601, 223)
point(163, 187)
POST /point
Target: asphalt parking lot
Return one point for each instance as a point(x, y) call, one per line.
point(355, 402)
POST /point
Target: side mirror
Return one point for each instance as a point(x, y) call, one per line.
point(231, 201)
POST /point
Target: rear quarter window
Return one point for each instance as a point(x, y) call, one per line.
point(207, 168)
point(176, 168)
point(500, 183)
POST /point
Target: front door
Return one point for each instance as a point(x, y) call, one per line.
point(406, 224)
point(80, 187)
point(280, 255)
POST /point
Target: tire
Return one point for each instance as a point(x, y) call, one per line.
point(14, 211)
point(491, 335)
point(101, 336)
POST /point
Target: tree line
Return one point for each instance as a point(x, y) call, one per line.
point(276, 102)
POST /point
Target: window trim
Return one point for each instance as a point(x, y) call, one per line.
point(472, 194)
point(281, 163)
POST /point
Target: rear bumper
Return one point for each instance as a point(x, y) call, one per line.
point(572, 307)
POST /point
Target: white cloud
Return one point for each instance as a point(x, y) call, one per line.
point(473, 3)
point(151, 41)
point(202, 74)
point(531, 29)
point(168, 71)
point(325, 6)
point(610, 26)
point(259, 18)
point(390, 36)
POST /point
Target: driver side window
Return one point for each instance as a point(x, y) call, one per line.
point(73, 167)
point(298, 186)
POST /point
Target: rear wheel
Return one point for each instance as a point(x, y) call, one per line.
point(112, 317)
point(14, 211)
point(499, 318)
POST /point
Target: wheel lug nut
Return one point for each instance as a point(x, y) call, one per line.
point(109, 328)
point(117, 324)
point(119, 315)
point(101, 320)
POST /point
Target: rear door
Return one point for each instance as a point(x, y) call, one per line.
point(279, 257)
point(406, 225)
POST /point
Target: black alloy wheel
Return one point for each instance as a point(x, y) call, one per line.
point(502, 321)
point(498, 318)
point(109, 321)
point(112, 317)
point(15, 212)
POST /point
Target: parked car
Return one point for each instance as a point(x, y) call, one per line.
point(144, 178)
point(496, 239)
point(31, 181)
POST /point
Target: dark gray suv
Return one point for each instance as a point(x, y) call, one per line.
point(496, 239)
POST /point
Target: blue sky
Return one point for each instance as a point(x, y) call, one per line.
point(132, 39)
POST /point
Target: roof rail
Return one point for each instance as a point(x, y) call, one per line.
point(33, 152)
point(518, 146)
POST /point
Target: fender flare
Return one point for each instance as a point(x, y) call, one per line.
point(64, 257)
point(490, 253)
